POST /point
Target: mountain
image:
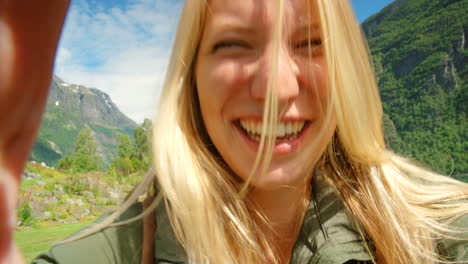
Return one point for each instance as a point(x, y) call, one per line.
point(71, 108)
point(419, 53)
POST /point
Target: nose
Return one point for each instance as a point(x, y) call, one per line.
point(287, 77)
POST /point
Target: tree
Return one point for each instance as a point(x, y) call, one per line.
point(123, 164)
point(133, 156)
point(85, 157)
point(143, 144)
point(125, 147)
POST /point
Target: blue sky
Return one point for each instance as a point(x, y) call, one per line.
point(122, 46)
point(366, 8)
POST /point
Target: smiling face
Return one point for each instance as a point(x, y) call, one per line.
point(233, 67)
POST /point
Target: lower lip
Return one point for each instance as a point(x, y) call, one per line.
point(280, 148)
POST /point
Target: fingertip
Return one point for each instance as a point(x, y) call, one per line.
point(6, 55)
point(6, 228)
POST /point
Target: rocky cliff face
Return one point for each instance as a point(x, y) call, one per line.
point(419, 52)
point(72, 107)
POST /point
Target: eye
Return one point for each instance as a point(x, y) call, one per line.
point(313, 43)
point(310, 47)
point(228, 44)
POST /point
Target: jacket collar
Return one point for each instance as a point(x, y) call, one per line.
point(166, 247)
point(328, 233)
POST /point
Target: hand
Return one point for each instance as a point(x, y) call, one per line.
point(29, 33)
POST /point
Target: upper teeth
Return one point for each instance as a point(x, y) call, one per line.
point(284, 128)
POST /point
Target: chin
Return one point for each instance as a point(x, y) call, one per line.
point(280, 178)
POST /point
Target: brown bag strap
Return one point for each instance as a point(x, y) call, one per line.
point(149, 230)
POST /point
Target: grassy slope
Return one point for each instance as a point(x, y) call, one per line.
point(36, 241)
point(38, 235)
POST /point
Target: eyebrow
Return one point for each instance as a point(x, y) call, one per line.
point(230, 24)
point(313, 27)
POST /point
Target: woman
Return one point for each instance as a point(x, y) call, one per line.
point(269, 149)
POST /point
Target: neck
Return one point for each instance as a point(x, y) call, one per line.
point(284, 209)
point(281, 206)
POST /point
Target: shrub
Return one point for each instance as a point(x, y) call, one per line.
point(24, 215)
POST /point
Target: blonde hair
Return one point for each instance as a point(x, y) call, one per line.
point(401, 207)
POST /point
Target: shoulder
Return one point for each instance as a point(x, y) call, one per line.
point(119, 244)
point(456, 248)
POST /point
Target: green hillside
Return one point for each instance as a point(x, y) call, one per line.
point(419, 52)
point(70, 108)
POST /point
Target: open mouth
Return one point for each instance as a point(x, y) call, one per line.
point(286, 130)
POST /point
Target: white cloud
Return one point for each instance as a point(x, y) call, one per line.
point(122, 50)
point(63, 55)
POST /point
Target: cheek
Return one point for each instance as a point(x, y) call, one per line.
point(218, 85)
point(228, 77)
point(315, 78)
point(230, 72)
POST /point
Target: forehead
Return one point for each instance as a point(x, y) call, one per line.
point(261, 13)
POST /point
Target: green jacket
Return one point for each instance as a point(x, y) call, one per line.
point(327, 236)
